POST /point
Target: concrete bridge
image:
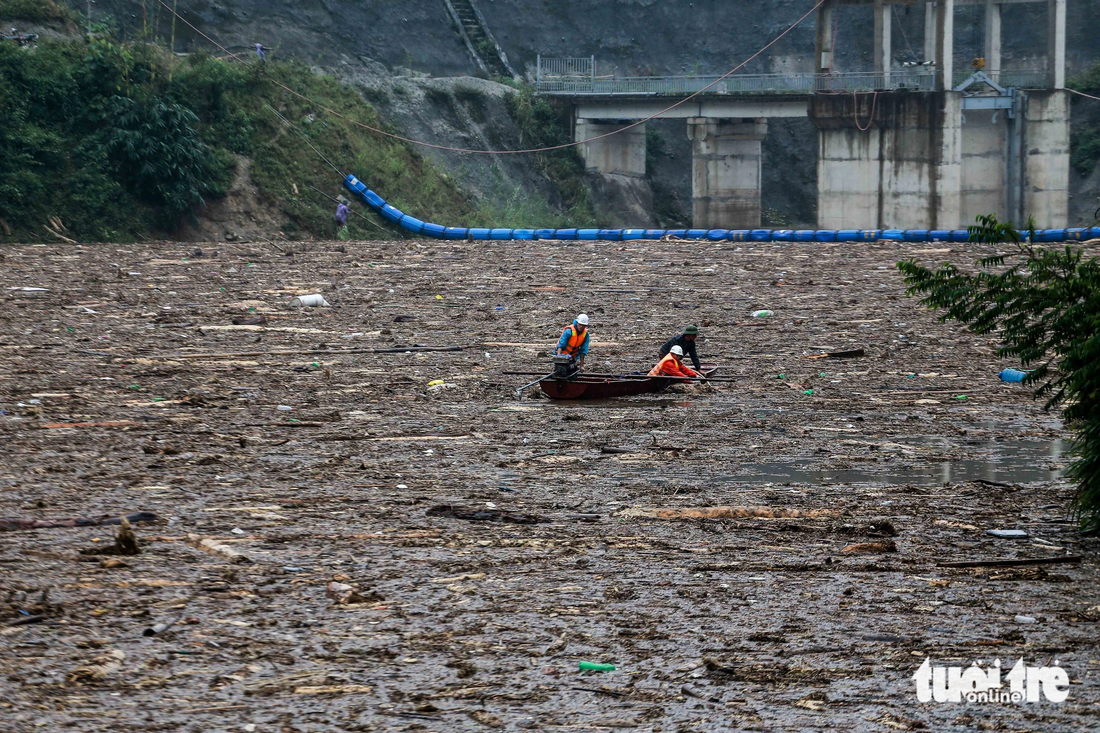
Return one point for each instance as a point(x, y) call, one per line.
point(925, 146)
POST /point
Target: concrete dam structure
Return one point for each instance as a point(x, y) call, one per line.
point(922, 146)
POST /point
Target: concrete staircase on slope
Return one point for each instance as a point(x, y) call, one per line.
point(490, 57)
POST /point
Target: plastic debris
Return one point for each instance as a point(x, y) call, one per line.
point(1008, 534)
point(762, 314)
point(213, 547)
point(1012, 375)
point(594, 667)
point(316, 299)
point(284, 408)
point(1026, 620)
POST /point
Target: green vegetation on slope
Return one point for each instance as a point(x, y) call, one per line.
point(543, 125)
point(120, 140)
point(1085, 138)
point(1045, 309)
point(37, 11)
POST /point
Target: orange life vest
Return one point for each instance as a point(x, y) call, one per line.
point(572, 347)
point(668, 367)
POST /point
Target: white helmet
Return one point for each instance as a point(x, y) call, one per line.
point(677, 350)
point(582, 319)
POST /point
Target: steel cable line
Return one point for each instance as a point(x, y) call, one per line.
point(510, 152)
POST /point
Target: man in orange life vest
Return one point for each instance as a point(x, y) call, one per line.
point(672, 365)
point(574, 341)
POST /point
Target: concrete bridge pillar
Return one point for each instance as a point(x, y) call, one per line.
point(894, 161)
point(620, 155)
point(1056, 43)
point(883, 52)
point(992, 38)
point(823, 56)
point(929, 32)
point(726, 172)
point(1046, 158)
point(945, 45)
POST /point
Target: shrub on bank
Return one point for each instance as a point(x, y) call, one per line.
point(1045, 309)
point(120, 141)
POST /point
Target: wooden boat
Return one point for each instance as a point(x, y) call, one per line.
point(604, 386)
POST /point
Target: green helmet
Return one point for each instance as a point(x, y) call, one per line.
point(691, 331)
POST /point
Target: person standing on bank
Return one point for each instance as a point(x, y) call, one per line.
point(342, 219)
point(686, 342)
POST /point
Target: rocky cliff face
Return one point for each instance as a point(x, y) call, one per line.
point(626, 36)
point(631, 36)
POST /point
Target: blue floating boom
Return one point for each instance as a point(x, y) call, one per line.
point(437, 231)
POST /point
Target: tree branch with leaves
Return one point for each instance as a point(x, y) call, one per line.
point(1045, 307)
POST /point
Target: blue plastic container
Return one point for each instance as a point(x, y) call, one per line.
point(566, 234)
point(825, 235)
point(390, 213)
point(373, 199)
point(434, 230)
point(523, 234)
point(588, 234)
point(500, 233)
point(1012, 375)
point(455, 232)
point(610, 235)
point(783, 235)
point(804, 235)
point(632, 234)
point(740, 235)
point(654, 233)
point(411, 223)
point(479, 233)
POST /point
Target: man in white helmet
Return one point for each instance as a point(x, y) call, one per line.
point(672, 365)
point(574, 340)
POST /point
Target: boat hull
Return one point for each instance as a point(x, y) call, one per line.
point(584, 387)
point(596, 388)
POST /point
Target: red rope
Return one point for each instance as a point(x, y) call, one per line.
point(510, 152)
point(1083, 94)
point(855, 111)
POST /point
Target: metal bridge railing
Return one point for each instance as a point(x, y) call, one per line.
point(576, 84)
point(1019, 78)
point(579, 77)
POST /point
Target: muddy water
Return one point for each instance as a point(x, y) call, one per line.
point(1011, 461)
point(747, 623)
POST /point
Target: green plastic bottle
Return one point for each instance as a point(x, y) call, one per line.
point(594, 667)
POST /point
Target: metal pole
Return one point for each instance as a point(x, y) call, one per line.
point(519, 392)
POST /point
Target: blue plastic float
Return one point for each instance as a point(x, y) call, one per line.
point(437, 231)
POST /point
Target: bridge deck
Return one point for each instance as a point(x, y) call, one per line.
point(578, 77)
